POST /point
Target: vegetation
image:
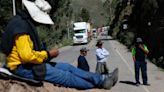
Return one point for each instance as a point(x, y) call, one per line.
point(145, 19)
point(94, 9)
point(83, 15)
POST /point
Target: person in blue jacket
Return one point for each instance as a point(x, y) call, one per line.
point(82, 62)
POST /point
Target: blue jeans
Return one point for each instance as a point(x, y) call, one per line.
point(66, 75)
point(143, 66)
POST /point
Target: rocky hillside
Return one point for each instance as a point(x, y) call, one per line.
point(145, 18)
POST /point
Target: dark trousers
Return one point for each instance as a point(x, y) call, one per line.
point(102, 68)
point(143, 66)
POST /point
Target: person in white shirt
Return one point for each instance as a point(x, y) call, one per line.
point(102, 56)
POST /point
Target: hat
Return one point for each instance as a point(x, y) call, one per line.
point(84, 49)
point(39, 10)
point(99, 42)
point(139, 40)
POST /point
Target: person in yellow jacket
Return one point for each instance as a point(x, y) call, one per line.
point(139, 53)
point(26, 57)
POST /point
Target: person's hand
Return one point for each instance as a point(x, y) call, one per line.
point(54, 52)
point(141, 46)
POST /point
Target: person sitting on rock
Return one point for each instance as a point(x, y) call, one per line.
point(26, 58)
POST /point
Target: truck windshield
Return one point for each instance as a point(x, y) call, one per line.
point(80, 31)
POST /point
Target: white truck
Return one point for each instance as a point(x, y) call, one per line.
point(82, 32)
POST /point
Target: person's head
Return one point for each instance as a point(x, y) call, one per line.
point(99, 44)
point(83, 51)
point(38, 10)
point(139, 41)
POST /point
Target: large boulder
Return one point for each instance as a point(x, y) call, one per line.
point(17, 86)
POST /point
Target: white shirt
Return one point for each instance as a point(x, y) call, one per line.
point(102, 54)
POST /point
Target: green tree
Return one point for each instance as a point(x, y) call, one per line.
point(85, 15)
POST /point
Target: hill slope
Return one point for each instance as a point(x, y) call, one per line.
point(98, 14)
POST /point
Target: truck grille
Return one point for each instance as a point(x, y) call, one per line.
point(79, 36)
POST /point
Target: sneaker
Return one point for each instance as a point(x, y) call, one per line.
point(115, 76)
point(108, 82)
point(137, 84)
point(110, 79)
point(146, 84)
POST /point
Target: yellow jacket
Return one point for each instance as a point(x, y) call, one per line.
point(22, 52)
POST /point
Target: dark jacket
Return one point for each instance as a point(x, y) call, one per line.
point(139, 54)
point(22, 23)
point(82, 63)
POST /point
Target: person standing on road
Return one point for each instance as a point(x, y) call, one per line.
point(101, 55)
point(139, 53)
point(82, 62)
point(26, 58)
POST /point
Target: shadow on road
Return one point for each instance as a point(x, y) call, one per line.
point(128, 82)
point(106, 39)
point(79, 44)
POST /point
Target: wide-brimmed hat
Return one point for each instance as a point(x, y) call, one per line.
point(39, 10)
point(84, 49)
point(99, 42)
point(138, 40)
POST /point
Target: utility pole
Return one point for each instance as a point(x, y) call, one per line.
point(67, 29)
point(68, 32)
point(14, 9)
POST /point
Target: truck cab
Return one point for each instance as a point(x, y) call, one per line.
point(80, 33)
